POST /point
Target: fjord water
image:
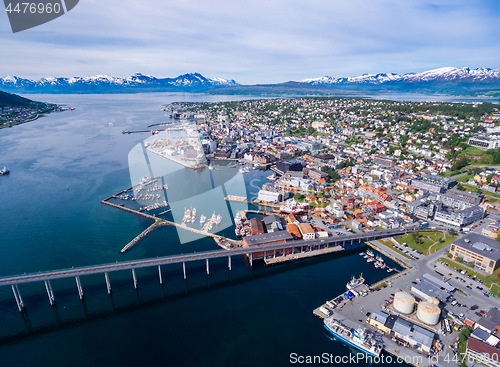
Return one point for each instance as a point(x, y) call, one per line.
point(51, 217)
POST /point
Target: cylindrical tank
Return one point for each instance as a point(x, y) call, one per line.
point(434, 301)
point(403, 303)
point(428, 313)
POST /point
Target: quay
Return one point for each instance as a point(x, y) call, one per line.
point(143, 234)
point(301, 255)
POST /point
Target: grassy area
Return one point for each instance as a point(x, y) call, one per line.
point(495, 289)
point(475, 189)
point(464, 178)
point(489, 281)
point(470, 150)
point(389, 244)
point(380, 286)
point(429, 240)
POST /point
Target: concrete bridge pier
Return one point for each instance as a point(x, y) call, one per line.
point(229, 262)
point(79, 286)
point(108, 284)
point(184, 269)
point(135, 278)
point(49, 292)
point(251, 258)
point(159, 273)
point(17, 296)
point(208, 270)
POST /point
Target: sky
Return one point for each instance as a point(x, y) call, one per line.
point(255, 41)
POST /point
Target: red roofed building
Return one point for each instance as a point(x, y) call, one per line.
point(486, 354)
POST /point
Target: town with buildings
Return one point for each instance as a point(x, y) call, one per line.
point(15, 115)
point(340, 166)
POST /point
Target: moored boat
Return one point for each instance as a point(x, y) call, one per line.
point(358, 338)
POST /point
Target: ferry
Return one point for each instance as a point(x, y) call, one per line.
point(355, 282)
point(358, 338)
point(4, 171)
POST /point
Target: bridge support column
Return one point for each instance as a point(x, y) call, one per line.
point(49, 292)
point(159, 274)
point(229, 262)
point(108, 284)
point(184, 269)
point(251, 258)
point(274, 255)
point(208, 270)
point(135, 278)
point(79, 286)
point(17, 296)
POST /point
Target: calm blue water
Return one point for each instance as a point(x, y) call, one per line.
point(51, 217)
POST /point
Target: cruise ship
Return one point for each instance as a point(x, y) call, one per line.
point(358, 338)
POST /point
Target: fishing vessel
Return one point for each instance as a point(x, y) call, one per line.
point(355, 282)
point(237, 232)
point(4, 171)
point(187, 216)
point(202, 220)
point(358, 338)
point(218, 219)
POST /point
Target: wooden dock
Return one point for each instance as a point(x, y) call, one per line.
point(302, 255)
point(238, 199)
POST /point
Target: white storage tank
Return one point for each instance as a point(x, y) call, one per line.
point(403, 303)
point(434, 301)
point(428, 313)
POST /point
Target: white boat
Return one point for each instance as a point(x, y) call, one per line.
point(187, 216)
point(202, 220)
point(358, 338)
point(218, 219)
point(272, 177)
point(355, 282)
point(193, 215)
point(237, 232)
point(4, 171)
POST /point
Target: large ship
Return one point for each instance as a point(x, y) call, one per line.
point(358, 338)
point(293, 207)
point(355, 282)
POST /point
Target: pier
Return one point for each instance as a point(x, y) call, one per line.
point(302, 255)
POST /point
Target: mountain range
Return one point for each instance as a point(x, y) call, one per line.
point(448, 80)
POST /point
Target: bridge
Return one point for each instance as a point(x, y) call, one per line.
point(267, 249)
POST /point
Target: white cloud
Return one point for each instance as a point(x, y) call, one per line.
point(255, 41)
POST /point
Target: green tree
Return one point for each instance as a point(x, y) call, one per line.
point(449, 255)
point(459, 259)
point(470, 264)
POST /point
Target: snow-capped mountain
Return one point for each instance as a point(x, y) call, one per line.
point(447, 74)
point(104, 83)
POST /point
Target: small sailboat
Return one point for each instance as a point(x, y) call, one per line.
point(202, 220)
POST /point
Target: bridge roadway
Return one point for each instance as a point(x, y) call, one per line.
point(182, 258)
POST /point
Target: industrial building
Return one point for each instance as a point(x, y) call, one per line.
point(266, 238)
point(483, 251)
point(404, 330)
point(427, 290)
point(485, 141)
